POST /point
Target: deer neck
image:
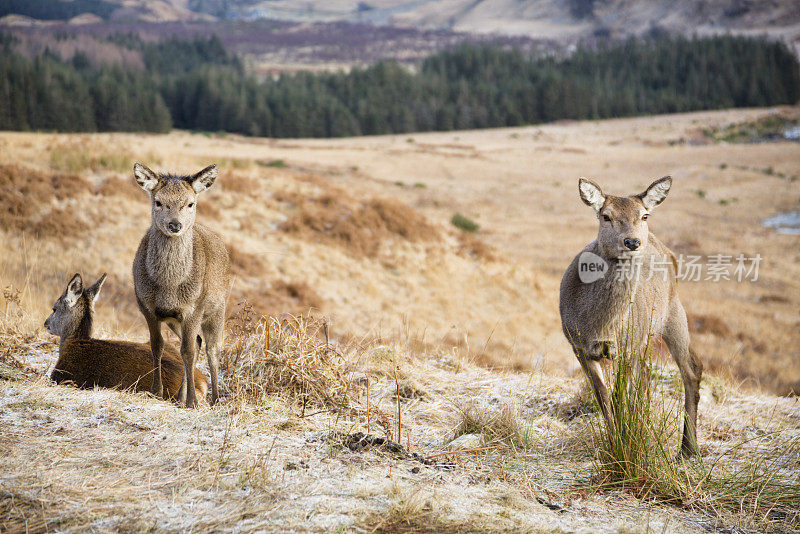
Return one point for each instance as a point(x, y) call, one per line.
point(169, 259)
point(617, 290)
point(82, 330)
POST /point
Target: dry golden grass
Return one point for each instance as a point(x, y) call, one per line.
point(383, 261)
point(263, 459)
point(287, 358)
point(266, 455)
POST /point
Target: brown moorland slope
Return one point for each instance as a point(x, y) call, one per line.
point(358, 230)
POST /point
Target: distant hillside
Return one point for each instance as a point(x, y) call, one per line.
point(561, 20)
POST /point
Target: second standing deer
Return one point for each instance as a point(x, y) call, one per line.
point(181, 274)
point(597, 305)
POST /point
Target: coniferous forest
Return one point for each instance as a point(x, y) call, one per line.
point(197, 85)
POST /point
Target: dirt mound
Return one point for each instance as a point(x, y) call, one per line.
point(360, 227)
point(279, 298)
point(27, 197)
point(708, 324)
point(285, 297)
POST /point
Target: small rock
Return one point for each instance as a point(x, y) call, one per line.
point(465, 441)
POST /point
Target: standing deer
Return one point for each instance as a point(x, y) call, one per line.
point(596, 304)
point(88, 362)
point(181, 274)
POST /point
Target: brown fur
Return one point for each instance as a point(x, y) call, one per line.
point(87, 362)
point(593, 315)
point(181, 275)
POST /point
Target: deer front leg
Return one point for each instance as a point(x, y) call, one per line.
point(594, 372)
point(156, 348)
point(189, 333)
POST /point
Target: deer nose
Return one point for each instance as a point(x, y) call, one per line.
point(632, 244)
point(174, 227)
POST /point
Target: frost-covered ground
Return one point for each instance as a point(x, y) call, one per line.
point(110, 461)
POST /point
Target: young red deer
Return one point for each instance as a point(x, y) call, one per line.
point(89, 362)
point(597, 304)
point(181, 274)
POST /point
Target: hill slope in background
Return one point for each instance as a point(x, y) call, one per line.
point(563, 21)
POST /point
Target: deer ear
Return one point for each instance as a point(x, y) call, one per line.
point(147, 179)
point(656, 192)
point(204, 179)
point(94, 291)
point(591, 194)
point(74, 290)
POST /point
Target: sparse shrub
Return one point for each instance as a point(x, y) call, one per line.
point(464, 223)
point(275, 163)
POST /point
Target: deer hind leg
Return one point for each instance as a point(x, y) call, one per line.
point(189, 334)
point(213, 334)
point(676, 337)
point(175, 326)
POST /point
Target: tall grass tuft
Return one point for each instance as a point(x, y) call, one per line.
point(496, 427)
point(286, 357)
point(639, 455)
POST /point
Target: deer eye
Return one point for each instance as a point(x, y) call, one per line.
point(158, 204)
point(644, 217)
point(606, 218)
point(191, 204)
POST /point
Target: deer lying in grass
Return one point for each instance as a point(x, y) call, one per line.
point(597, 304)
point(181, 274)
point(89, 362)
